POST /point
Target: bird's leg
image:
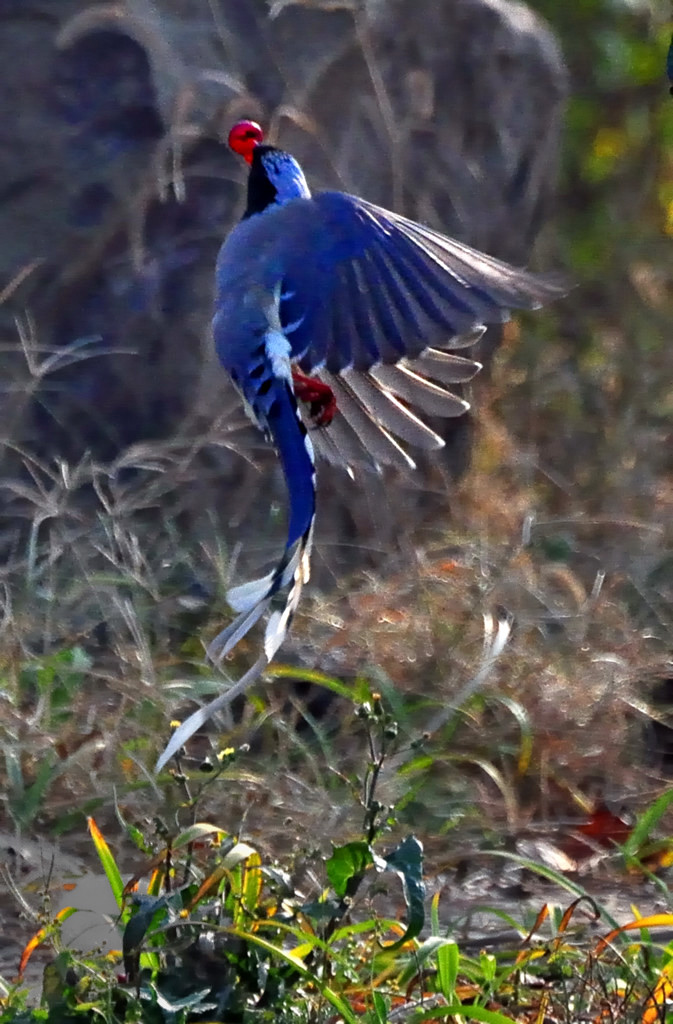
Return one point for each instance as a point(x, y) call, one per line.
point(319, 397)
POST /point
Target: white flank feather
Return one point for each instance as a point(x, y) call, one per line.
point(278, 351)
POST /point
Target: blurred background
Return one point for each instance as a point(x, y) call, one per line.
point(132, 488)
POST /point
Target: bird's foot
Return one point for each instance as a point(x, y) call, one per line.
point(319, 397)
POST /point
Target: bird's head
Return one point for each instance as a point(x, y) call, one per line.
point(275, 176)
point(244, 138)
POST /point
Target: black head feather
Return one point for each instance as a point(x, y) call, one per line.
point(261, 190)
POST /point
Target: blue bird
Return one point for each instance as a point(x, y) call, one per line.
point(333, 318)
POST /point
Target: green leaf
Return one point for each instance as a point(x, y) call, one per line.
point(427, 949)
point(448, 957)
point(406, 860)
point(132, 831)
point(488, 965)
point(200, 830)
point(191, 1002)
point(237, 854)
point(347, 862)
point(304, 675)
point(646, 822)
point(108, 862)
point(466, 1010)
point(58, 676)
point(251, 889)
point(371, 925)
point(338, 1002)
point(54, 983)
point(33, 796)
point(380, 1009)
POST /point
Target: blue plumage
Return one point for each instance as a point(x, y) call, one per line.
point(364, 302)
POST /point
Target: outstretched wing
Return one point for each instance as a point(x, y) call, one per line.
point(370, 302)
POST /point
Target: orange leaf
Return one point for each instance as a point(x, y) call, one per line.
point(209, 883)
point(653, 1012)
point(40, 936)
point(565, 920)
point(653, 921)
point(539, 921)
point(148, 868)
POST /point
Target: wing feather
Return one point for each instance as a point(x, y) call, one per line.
point(374, 300)
point(382, 446)
point(444, 366)
point(417, 390)
point(394, 417)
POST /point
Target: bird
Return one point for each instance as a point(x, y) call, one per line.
point(336, 319)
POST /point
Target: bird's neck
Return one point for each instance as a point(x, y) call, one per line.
point(275, 179)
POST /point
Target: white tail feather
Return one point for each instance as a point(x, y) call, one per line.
point(185, 731)
point(235, 631)
point(280, 620)
point(276, 631)
point(247, 595)
point(252, 599)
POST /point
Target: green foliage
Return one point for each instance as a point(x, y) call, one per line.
point(55, 680)
point(214, 914)
point(221, 935)
point(346, 863)
point(50, 685)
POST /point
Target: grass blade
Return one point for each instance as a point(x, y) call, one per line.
point(108, 863)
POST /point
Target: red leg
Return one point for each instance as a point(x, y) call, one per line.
point(319, 397)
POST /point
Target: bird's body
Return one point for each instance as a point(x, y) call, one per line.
point(254, 345)
point(351, 308)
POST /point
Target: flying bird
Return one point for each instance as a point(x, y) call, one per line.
point(336, 320)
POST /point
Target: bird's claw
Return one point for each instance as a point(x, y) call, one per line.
point(318, 396)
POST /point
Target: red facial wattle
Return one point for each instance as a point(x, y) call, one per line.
point(244, 138)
